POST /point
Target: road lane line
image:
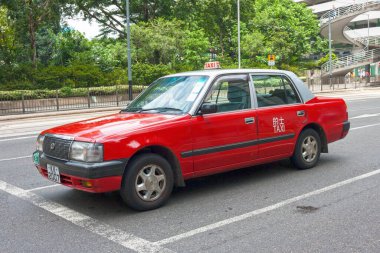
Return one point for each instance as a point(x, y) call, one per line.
point(361, 127)
point(17, 138)
point(367, 115)
point(43, 187)
point(15, 158)
point(118, 236)
point(363, 109)
point(263, 210)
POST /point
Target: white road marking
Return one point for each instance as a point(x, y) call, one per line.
point(15, 158)
point(355, 100)
point(16, 135)
point(366, 116)
point(263, 210)
point(359, 99)
point(43, 187)
point(363, 109)
point(19, 138)
point(118, 236)
point(356, 128)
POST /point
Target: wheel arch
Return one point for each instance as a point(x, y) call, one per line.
point(321, 133)
point(169, 156)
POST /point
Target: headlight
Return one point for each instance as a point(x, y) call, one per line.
point(40, 143)
point(86, 152)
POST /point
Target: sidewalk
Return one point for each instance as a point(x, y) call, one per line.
point(347, 90)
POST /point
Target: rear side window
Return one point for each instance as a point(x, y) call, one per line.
point(230, 93)
point(272, 90)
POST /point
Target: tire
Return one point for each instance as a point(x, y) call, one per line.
point(308, 150)
point(147, 182)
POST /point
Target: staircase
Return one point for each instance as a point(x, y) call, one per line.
point(343, 65)
point(363, 42)
point(339, 18)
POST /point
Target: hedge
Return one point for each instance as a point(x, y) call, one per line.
point(76, 76)
point(68, 92)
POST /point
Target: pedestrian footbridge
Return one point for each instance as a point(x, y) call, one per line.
point(338, 19)
point(343, 65)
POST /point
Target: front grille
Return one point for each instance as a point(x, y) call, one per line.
point(57, 147)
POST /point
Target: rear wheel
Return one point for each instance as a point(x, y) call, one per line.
point(308, 150)
point(147, 183)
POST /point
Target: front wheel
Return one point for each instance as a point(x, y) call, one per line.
point(308, 150)
point(147, 183)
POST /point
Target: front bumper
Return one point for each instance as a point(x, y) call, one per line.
point(90, 177)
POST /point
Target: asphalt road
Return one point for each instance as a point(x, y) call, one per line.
point(270, 208)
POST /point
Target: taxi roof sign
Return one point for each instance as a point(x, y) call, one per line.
point(212, 65)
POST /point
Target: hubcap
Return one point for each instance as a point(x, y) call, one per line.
point(309, 149)
point(150, 182)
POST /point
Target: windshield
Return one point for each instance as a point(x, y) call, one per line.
point(169, 94)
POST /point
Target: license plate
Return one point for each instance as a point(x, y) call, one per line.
point(53, 173)
point(36, 158)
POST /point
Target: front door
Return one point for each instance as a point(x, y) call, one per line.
point(227, 138)
point(280, 115)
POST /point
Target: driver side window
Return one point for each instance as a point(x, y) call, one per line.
point(230, 93)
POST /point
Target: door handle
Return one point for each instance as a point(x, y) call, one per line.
point(249, 120)
point(301, 113)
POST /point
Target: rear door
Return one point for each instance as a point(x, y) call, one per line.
point(280, 114)
point(226, 139)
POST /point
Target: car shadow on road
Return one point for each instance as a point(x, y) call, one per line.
point(198, 187)
point(204, 189)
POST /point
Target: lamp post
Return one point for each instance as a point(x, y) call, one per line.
point(130, 92)
point(238, 16)
point(330, 51)
point(368, 33)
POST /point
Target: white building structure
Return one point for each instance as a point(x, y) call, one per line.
point(355, 33)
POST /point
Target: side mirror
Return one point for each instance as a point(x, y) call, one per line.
point(208, 108)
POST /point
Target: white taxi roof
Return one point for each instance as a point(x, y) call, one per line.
point(216, 72)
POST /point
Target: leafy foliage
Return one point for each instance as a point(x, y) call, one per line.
point(38, 51)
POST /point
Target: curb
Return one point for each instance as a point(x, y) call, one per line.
point(58, 113)
point(347, 90)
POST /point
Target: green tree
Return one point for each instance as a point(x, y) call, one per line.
point(287, 29)
point(169, 42)
point(8, 42)
point(111, 13)
point(68, 44)
point(30, 15)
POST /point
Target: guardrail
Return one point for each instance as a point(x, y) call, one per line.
point(317, 84)
point(346, 10)
point(30, 101)
point(362, 58)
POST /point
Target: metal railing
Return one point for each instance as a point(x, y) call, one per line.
point(373, 41)
point(358, 40)
point(320, 84)
point(336, 13)
point(361, 58)
point(30, 101)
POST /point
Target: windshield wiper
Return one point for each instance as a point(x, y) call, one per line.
point(161, 109)
point(132, 109)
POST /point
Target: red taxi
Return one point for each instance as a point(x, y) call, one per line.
point(189, 125)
